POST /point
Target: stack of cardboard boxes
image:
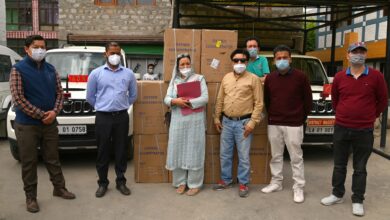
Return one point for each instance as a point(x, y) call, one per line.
point(150, 133)
point(210, 55)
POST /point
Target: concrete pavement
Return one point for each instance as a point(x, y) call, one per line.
point(159, 201)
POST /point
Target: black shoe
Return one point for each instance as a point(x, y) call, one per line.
point(101, 191)
point(123, 189)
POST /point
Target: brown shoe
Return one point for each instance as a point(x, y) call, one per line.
point(63, 193)
point(32, 205)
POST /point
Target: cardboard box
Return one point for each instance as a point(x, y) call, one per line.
point(217, 45)
point(259, 159)
point(149, 108)
point(150, 152)
point(213, 89)
point(260, 156)
point(212, 166)
point(262, 127)
point(178, 41)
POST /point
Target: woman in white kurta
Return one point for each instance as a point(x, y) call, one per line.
point(186, 144)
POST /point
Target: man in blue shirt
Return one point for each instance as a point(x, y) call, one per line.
point(257, 64)
point(111, 89)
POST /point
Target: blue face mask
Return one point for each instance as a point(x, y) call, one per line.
point(253, 51)
point(282, 64)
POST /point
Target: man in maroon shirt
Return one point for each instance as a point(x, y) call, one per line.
point(288, 100)
point(359, 95)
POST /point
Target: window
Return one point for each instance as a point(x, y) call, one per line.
point(385, 11)
point(48, 15)
point(5, 67)
point(16, 45)
point(18, 15)
point(124, 2)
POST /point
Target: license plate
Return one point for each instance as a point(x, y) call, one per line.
point(320, 126)
point(72, 129)
point(319, 130)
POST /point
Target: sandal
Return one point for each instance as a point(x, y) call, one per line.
point(193, 191)
point(181, 189)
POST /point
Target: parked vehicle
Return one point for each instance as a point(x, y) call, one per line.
point(320, 124)
point(76, 121)
point(8, 58)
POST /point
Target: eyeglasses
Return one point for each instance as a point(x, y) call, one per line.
point(183, 55)
point(242, 60)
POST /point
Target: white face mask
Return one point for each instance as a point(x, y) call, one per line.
point(114, 59)
point(239, 68)
point(253, 51)
point(357, 59)
point(185, 71)
point(38, 54)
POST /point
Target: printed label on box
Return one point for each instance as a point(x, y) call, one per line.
point(215, 63)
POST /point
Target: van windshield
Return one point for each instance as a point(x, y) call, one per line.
point(75, 63)
point(311, 67)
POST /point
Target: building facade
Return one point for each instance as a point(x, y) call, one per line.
point(27, 17)
point(138, 25)
point(370, 28)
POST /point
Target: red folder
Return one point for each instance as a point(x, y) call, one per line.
point(189, 90)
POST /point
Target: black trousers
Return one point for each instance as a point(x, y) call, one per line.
point(29, 137)
point(112, 130)
point(361, 142)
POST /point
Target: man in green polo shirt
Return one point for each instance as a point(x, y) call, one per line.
point(257, 64)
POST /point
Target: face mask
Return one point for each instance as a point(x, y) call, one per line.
point(185, 71)
point(357, 59)
point(114, 59)
point(253, 51)
point(239, 68)
point(282, 64)
point(150, 71)
point(38, 54)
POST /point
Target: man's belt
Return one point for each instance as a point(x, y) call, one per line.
point(238, 118)
point(113, 113)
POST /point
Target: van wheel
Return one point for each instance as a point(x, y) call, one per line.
point(14, 150)
point(130, 149)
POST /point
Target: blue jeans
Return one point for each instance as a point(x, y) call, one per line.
point(233, 134)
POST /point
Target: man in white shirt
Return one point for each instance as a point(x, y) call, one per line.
point(150, 75)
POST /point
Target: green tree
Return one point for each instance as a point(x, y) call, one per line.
point(311, 37)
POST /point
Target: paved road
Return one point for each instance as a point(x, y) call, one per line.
point(159, 201)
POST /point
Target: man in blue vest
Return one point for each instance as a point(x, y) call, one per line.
point(37, 96)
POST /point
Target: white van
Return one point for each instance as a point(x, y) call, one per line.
point(76, 121)
point(8, 58)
